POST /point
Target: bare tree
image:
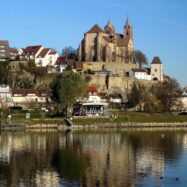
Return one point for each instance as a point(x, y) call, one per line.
point(140, 58)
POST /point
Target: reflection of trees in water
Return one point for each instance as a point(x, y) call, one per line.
point(170, 145)
point(105, 159)
point(70, 164)
point(45, 154)
point(152, 150)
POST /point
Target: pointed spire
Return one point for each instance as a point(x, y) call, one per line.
point(128, 30)
point(127, 21)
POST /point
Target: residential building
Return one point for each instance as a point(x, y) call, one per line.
point(5, 93)
point(46, 57)
point(6, 52)
point(42, 56)
point(13, 53)
point(105, 45)
point(24, 97)
point(61, 64)
point(93, 95)
point(31, 52)
point(141, 74)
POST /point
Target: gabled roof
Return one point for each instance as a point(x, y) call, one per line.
point(43, 53)
point(61, 59)
point(52, 53)
point(95, 29)
point(156, 60)
point(32, 49)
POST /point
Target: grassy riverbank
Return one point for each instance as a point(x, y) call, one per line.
point(121, 117)
point(137, 117)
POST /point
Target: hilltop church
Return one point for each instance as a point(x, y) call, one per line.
point(105, 45)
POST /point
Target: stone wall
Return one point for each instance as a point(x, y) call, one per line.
point(118, 68)
point(116, 84)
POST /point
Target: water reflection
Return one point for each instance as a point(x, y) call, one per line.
point(93, 159)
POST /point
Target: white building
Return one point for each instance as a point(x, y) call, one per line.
point(5, 92)
point(157, 70)
point(46, 57)
point(21, 97)
point(31, 52)
point(141, 74)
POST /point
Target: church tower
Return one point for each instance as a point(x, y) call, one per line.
point(128, 30)
point(109, 28)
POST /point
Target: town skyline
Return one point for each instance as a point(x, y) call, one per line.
point(159, 27)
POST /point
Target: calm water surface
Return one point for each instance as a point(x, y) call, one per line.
point(122, 158)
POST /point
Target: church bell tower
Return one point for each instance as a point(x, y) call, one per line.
point(128, 30)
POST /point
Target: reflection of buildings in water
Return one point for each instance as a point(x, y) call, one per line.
point(185, 142)
point(20, 141)
point(8, 143)
point(149, 161)
point(47, 179)
point(112, 160)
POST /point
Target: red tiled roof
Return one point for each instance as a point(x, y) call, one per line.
point(156, 60)
point(32, 49)
point(79, 65)
point(43, 53)
point(95, 29)
point(61, 59)
point(53, 53)
point(91, 89)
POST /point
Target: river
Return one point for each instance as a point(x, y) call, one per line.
point(93, 158)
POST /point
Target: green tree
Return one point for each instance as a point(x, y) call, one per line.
point(4, 73)
point(67, 88)
point(140, 58)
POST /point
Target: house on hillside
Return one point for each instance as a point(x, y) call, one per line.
point(60, 64)
point(7, 52)
point(46, 57)
point(27, 97)
point(141, 74)
point(42, 56)
point(5, 92)
point(31, 52)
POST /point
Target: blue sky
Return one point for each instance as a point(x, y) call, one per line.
point(160, 26)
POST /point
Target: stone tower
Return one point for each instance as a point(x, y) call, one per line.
point(157, 71)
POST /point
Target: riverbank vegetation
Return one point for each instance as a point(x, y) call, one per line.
point(118, 117)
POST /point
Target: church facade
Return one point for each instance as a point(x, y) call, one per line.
point(105, 45)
